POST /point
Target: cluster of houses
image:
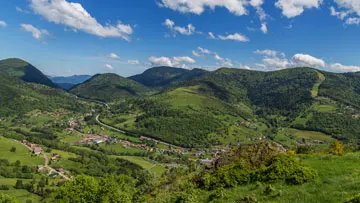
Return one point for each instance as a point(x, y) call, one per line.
point(94, 139)
point(37, 150)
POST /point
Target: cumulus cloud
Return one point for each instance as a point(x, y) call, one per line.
point(342, 68)
point(188, 30)
point(108, 66)
point(274, 60)
point(113, 56)
point(305, 60)
point(339, 14)
point(352, 21)
point(237, 7)
point(36, 33)
point(293, 8)
point(76, 17)
point(348, 11)
point(177, 61)
point(2, 23)
point(275, 63)
point(236, 37)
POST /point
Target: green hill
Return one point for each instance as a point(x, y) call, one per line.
point(25, 71)
point(110, 87)
point(163, 77)
point(19, 97)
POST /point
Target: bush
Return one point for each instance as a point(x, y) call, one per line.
point(289, 169)
point(355, 199)
point(4, 187)
point(302, 175)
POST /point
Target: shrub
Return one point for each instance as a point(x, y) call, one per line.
point(4, 187)
point(354, 199)
point(289, 169)
point(301, 176)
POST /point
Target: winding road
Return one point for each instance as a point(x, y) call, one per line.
point(124, 132)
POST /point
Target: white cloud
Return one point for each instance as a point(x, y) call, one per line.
point(18, 9)
point(113, 56)
point(342, 68)
point(223, 61)
point(211, 35)
point(177, 61)
point(339, 14)
point(133, 62)
point(268, 52)
point(196, 54)
point(236, 37)
point(237, 7)
point(36, 33)
point(276, 63)
point(352, 21)
point(75, 16)
point(271, 61)
point(293, 8)
point(264, 28)
point(352, 6)
point(109, 66)
point(305, 60)
point(188, 30)
point(2, 24)
point(204, 51)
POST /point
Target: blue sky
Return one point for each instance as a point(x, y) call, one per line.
point(67, 37)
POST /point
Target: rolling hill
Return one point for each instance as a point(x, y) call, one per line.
point(25, 71)
point(165, 77)
point(110, 87)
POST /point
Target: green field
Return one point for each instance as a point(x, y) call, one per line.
point(22, 153)
point(21, 196)
point(157, 169)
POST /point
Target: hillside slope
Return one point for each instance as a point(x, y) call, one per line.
point(110, 87)
point(19, 97)
point(25, 71)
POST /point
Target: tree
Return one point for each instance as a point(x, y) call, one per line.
point(84, 189)
point(19, 184)
point(13, 149)
point(6, 199)
point(337, 148)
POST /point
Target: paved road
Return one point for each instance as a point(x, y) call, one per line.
point(121, 131)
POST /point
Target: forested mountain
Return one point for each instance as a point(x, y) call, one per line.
point(110, 87)
point(21, 69)
point(164, 77)
point(70, 81)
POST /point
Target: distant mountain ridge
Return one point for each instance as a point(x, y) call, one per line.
point(67, 82)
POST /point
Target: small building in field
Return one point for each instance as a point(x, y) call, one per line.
point(37, 150)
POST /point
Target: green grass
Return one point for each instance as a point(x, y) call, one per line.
point(22, 153)
point(21, 195)
point(118, 148)
point(156, 168)
point(325, 108)
point(339, 179)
